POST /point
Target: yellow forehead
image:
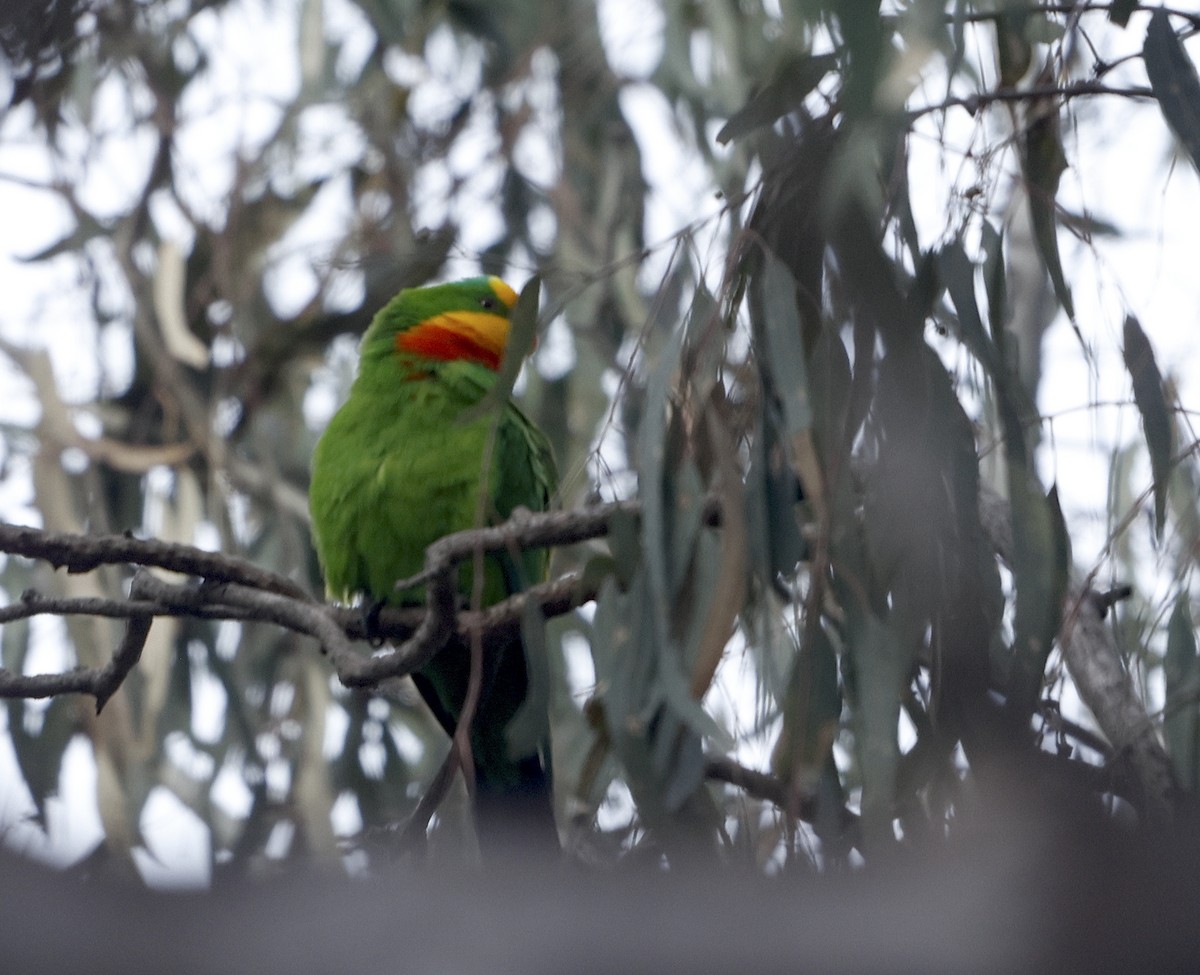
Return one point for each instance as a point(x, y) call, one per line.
point(503, 292)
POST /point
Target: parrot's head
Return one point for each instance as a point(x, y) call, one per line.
point(460, 320)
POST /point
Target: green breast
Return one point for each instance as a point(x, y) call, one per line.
point(397, 469)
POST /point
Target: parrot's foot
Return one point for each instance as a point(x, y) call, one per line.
point(371, 613)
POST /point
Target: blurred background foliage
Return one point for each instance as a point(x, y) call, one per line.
point(741, 302)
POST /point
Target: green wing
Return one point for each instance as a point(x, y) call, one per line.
point(525, 477)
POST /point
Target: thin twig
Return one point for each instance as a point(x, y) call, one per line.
point(417, 825)
point(973, 103)
point(100, 682)
point(1008, 10)
point(128, 653)
point(760, 785)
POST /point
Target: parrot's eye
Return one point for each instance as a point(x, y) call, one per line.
point(487, 303)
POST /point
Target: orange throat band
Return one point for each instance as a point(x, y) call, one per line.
point(434, 341)
point(477, 336)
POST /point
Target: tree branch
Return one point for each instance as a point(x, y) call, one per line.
point(1094, 663)
point(524, 530)
point(233, 588)
point(100, 682)
point(82, 553)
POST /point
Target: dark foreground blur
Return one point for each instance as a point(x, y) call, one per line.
point(1037, 890)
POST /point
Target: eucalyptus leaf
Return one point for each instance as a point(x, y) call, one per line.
point(994, 281)
point(829, 381)
point(686, 771)
point(1119, 11)
point(1174, 81)
point(1041, 560)
point(812, 708)
point(625, 545)
point(1014, 52)
point(1045, 162)
point(1152, 405)
point(957, 273)
point(773, 493)
point(651, 458)
point(1181, 719)
point(785, 348)
point(784, 92)
point(880, 665)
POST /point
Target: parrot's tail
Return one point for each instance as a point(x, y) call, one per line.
point(514, 798)
point(517, 821)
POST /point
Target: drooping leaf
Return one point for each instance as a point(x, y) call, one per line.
point(651, 464)
point(866, 43)
point(958, 275)
point(648, 714)
point(686, 769)
point(829, 379)
point(1041, 558)
point(1175, 83)
point(626, 547)
point(39, 755)
point(1044, 163)
point(785, 348)
point(785, 373)
point(994, 281)
point(604, 631)
point(1119, 11)
point(1152, 405)
point(1181, 718)
point(1015, 406)
point(783, 93)
point(704, 347)
point(879, 665)
point(1014, 52)
point(812, 708)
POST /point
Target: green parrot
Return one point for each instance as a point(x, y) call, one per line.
point(397, 468)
